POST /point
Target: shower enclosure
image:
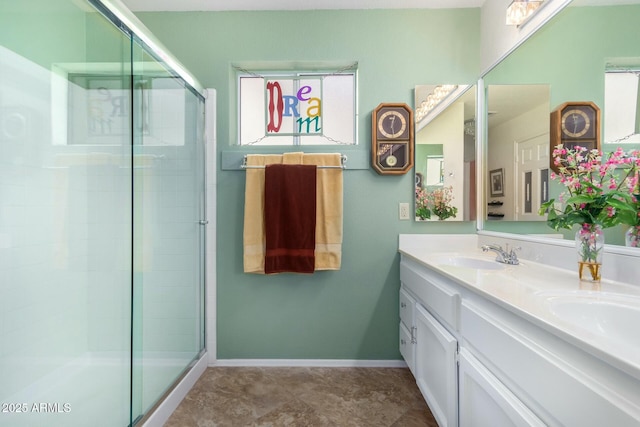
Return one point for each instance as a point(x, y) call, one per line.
point(101, 218)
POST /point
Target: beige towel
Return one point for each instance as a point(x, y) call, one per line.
point(292, 158)
point(328, 210)
point(328, 253)
point(253, 237)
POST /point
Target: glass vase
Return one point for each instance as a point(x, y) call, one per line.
point(632, 237)
point(589, 246)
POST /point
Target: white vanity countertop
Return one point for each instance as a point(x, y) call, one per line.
point(530, 290)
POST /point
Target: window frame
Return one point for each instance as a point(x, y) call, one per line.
point(297, 140)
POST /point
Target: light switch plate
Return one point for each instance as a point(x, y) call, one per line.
point(403, 211)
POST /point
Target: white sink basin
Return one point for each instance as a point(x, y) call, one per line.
point(469, 262)
point(612, 316)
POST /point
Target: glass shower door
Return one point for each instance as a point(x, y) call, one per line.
point(168, 181)
point(101, 194)
point(65, 216)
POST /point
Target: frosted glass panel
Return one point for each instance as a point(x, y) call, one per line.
point(65, 218)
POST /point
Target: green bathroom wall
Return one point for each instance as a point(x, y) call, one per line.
point(62, 22)
point(351, 313)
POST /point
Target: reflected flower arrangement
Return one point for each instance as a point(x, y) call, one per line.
point(436, 202)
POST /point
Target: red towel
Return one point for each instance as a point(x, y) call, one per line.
point(290, 218)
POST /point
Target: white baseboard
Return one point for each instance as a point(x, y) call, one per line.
point(162, 413)
point(317, 363)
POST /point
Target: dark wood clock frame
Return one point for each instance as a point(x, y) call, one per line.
point(392, 148)
point(559, 133)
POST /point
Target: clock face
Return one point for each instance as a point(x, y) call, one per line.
point(575, 123)
point(578, 121)
point(392, 124)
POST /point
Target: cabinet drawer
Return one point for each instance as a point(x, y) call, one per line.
point(407, 347)
point(407, 304)
point(550, 377)
point(432, 292)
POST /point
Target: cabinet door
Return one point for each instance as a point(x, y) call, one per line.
point(435, 364)
point(485, 401)
point(407, 304)
point(407, 328)
point(407, 347)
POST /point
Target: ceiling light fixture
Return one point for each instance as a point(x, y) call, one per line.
point(519, 11)
point(470, 127)
point(439, 94)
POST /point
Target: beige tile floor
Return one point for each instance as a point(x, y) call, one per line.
point(315, 397)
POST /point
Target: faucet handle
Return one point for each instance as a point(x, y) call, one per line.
point(486, 248)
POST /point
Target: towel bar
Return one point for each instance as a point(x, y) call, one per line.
point(343, 161)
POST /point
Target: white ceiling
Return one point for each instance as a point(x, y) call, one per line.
point(199, 5)
point(601, 2)
point(508, 101)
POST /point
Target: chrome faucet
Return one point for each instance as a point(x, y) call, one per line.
point(504, 256)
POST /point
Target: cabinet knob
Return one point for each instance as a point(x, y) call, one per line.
point(403, 305)
point(402, 342)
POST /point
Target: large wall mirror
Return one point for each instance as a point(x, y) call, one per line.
point(587, 52)
point(445, 153)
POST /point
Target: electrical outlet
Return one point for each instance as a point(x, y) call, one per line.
point(403, 211)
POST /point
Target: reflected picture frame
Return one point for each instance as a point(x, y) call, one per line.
point(496, 182)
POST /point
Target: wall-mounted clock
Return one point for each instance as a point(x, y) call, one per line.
point(392, 139)
point(575, 123)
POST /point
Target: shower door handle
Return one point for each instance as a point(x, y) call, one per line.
point(203, 222)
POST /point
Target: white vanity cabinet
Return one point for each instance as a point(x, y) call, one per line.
point(479, 362)
point(433, 361)
point(561, 384)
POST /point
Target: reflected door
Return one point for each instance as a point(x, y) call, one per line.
point(532, 177)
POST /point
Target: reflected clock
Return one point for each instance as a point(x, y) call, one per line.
point(392, 139)
point(575, 124)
